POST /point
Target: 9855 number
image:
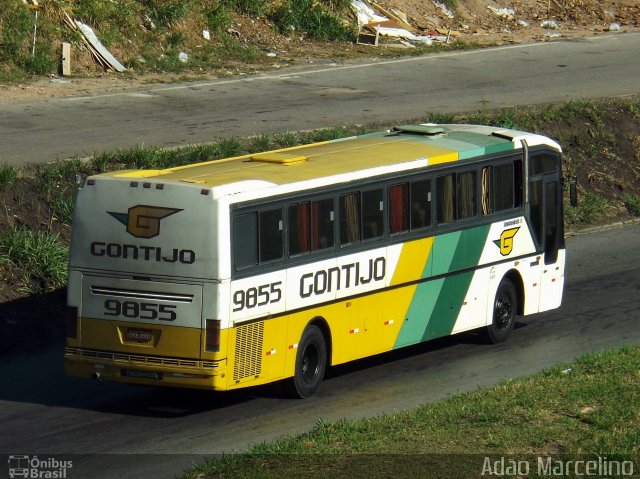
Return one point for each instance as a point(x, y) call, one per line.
point(258, 296)
point(135, 310)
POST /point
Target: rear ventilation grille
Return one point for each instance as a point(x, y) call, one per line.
point(135, 359)
point(248, 353)
point(149, 295)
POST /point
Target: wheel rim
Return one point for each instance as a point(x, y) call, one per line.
point(310, 363)
point(503, 310)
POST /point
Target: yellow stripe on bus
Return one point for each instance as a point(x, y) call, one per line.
point(413, 259)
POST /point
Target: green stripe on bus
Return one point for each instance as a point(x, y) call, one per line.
point(447, 307)
point(498, 148)
point(487, 141)
point(467, 255)
point(421, 308)
point(433, 313)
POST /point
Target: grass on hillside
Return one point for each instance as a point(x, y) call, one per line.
point(41, 259)
point(149, 35)
point(581, 411)
point(8, 175)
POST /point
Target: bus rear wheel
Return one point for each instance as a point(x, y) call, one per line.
point(505, 306)
point(311, 363)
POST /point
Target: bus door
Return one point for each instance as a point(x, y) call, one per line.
point(546, 221)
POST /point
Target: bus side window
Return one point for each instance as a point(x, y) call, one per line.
point(399, 208)
point(467, 201)
point(271, 243)
point(245, 240)
point(322, 224)
point(420, 204)
point(310, 226)
point(501, 187)
point(372, 214)
point(299, 228)
point(486, 185)
point(517, 183)
point(543, 163)
point(446, 203)
point(350, 218)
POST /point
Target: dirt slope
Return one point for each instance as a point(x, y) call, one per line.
point(517, 21)
point(471, 22)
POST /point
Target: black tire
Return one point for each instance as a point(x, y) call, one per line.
point(505, 307)
point(311, 363)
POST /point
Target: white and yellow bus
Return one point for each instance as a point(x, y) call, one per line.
point(273, 266)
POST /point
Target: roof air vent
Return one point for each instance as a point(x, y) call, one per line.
point(283, 158)
point(429, 130)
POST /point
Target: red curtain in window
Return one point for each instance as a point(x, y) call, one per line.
point(315, 226)
point(303, 227)
point(398, 198)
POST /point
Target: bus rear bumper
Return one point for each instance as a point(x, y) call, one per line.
point(147, 370)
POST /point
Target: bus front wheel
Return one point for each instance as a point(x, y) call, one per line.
point(311, 363)
point(505, 306)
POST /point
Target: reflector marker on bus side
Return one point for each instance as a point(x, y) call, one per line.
point(272, 352)
point(293, 346)
point(354, 331)
point(389, 322)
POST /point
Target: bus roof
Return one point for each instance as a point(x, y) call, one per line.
point(399, 149)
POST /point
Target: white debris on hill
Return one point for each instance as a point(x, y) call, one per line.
point(374, 21)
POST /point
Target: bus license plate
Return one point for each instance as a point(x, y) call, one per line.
point(134, 373)
point(140, 336)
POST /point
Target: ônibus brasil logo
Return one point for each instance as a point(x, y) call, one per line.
point(33, 467)
point(143, 221)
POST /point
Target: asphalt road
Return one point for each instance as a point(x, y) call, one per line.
point(111, 430)
point(322, 96)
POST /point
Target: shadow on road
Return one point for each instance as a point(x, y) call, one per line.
point(32, 332)
point(32, 322)
point(39, 378)
point(31, 368)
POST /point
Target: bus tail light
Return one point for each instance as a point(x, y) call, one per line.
point(212, 338)
point(72, 322)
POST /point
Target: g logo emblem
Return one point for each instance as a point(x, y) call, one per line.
point(143, 221)
point(505, 243)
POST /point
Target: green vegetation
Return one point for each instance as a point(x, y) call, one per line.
point(310, 17)
point(16, 41)
point(150, 35)
point(632, 203)
point(584, 408)
point(591, 209)
point(40, 257)
point(8, 175)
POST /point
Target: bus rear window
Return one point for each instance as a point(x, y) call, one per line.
point(245, 240)
point(257, 237)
